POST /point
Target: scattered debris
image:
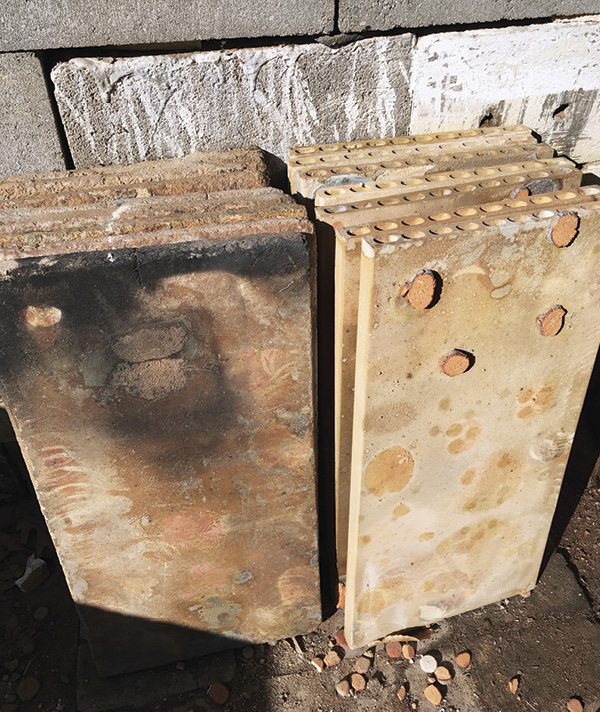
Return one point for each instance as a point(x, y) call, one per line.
point(358, 682)
point(463, 659)
point(402, 692)
point(513, 685)
point(575, 705)
point(340, 639)
point(332, 658)
point(180, 666)
point(394, 649)
point(428, 663)
point(343, 688)
point(28, 688)
point(218, 693)
point(433, 695)
point(319, 663)
point(363, 664)
point(36, 572)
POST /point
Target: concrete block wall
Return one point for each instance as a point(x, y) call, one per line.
point(123, 81)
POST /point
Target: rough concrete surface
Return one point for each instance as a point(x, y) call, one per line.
point(358, 15)
point(141, 108)
point(545, 76)
point(29, 137)
point(45, 24)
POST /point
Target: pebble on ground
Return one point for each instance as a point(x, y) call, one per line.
point(218, 693)
point(362, 665)
point(332, 658)
point(574, 705)
point(402, 692)
point(358, 682)
point(513, 685)
point(428, 663)
point(319, 663)
point(442, 674)
point(463, 659)
point(343, 688)
point(394, 649)
point(433, 695)
point(408, 651)
point(28, 688)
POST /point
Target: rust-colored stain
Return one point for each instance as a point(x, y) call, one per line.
point(551, 322)
point(564, 229)
point(163, 399)
point(390, 471)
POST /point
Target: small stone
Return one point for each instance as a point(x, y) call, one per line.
point(343, 688)
point(413, 705)
point(463, 659)
point(28, 688)
point(357, 682)
point(433, 695)
point(442, 674)
point(248, 652)
point(340, 639)
point(513, 685)
point(402, 692)
point(40, 613)
point(319, 663)
point(574, 705)
point(332, 658)
point(394, 649)
point(36, 572)
point(431, 679)
point(218, 693)
point(180, 666)
point(11, 665)
point(408, 651)
point(428, 663)
point(363, 664)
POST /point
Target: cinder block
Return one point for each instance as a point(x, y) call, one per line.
point(466, 403)
point(161, 388)
point(357, 16)
point(30, 140)
point(545, 76)
point(128, 110)
point(45, 24)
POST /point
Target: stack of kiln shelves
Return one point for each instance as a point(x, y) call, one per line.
point(466, 321)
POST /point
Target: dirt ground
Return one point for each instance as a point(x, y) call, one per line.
point(548, 645)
